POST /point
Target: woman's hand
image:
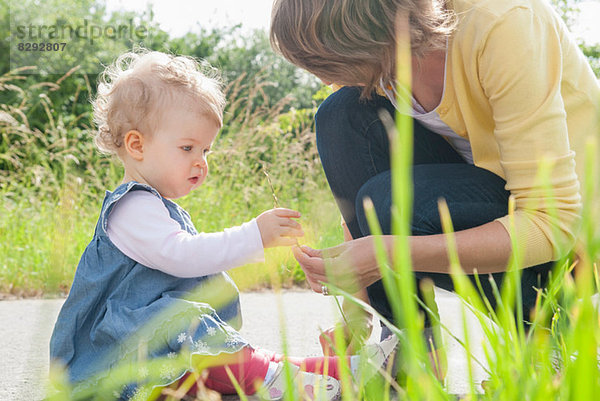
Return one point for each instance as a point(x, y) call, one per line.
point(277, 227)
point(350, 266)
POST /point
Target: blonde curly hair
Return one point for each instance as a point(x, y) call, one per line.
point(353, 42)
point(134, 91)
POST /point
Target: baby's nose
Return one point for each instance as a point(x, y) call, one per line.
point(201, 162)
point(202, 165)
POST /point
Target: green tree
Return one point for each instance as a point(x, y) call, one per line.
point(249, 57)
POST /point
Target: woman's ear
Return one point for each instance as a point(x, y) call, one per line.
point(134, 144)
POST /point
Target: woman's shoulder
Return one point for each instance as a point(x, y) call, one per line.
point(495, 8)
point(483, 15)
point(519, 20)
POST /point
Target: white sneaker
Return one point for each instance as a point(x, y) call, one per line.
point(311, 386)
point(375, 357)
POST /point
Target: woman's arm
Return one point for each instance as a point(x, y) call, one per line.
point(353, 266)
point(483, 249)
point(519, 69)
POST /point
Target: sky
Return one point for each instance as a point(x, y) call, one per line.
point(180, 16)
point(589, 22)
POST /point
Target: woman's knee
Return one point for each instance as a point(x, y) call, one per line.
point(474, 196)
point(378, 190)
point(425, 219)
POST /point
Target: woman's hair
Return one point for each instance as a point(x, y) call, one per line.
point(353, 42)
point(134, 91)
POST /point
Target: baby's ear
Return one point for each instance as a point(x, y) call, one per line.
point(134, 144)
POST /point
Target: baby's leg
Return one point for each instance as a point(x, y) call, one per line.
point(248, 367)
point(323, 365)
point(252, 367)
point(376, 354)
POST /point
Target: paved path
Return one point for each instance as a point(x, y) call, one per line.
point(26, 325)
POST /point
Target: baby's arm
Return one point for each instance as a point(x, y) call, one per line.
point(140, 226)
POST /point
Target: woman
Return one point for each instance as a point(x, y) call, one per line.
point(497, 86)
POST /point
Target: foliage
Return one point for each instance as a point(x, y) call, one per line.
point(567, 9)
point(239, 55)
point(234, 55)
point(593, 55)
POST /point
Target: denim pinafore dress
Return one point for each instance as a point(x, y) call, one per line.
point(122, 313)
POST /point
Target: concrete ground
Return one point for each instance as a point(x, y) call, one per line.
point(26, 326)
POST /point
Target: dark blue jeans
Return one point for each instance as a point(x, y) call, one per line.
point(354, 150)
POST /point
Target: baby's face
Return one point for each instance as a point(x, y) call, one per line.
point(175, 154)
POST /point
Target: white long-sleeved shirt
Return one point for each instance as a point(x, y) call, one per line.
point(140, 226)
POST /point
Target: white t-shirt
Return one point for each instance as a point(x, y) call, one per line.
point(140, 226)
point(432, 121)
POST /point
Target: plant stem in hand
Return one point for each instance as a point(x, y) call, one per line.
point(275, 200)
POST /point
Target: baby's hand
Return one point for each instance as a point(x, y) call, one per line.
point(277, 227)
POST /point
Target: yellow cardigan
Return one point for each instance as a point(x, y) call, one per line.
point(520, 90)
